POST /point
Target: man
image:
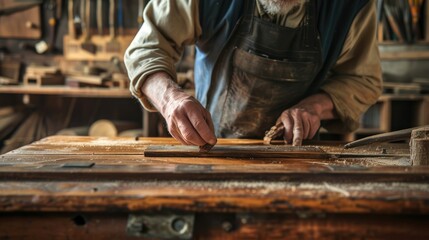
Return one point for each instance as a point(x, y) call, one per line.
point(258, 63)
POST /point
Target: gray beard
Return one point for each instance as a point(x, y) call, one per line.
point(282, 7)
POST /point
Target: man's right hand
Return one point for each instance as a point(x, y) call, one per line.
point(188, 121)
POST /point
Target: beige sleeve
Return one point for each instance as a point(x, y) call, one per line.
point(355, 82)
point(168, 26)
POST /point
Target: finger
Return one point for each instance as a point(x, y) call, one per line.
point(189, 133)
point(199, 122)
point(288, 124)
point(297, 130)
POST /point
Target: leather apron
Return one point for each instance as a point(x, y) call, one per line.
point(273, 67)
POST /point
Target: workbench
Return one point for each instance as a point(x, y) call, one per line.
point(115, 188)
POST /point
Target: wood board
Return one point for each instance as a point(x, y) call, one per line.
point(231, 151)
point(262, 151)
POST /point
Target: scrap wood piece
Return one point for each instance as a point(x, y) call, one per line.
point(419, 146)
point(273, 133)
point(237, 151)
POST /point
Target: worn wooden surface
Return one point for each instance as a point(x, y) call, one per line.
point(342, 196)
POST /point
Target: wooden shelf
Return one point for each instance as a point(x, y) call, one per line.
point(67, 91)
point(401, 51)
point(403, 97)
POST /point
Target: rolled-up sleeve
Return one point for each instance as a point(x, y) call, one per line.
point(355, 82)
point(168, 26)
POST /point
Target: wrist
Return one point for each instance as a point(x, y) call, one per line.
point(162, 91)
point(322, 105)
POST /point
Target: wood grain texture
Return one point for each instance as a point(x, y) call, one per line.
point(119, 177)
point(215, 196)
point(125, 159)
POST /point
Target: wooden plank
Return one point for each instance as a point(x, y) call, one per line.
point(274, 151)
point(218, 196)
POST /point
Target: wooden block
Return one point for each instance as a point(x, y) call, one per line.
point(89, 80)
point(419, 146)
point(42, 70)
point(108, 128)
point(43, 80)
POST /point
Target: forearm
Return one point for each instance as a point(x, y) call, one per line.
point(159, 88)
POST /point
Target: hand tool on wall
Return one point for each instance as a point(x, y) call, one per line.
point(384, 137)
point(120, 18)
point(112, 45)
point(100, 16)
point(53, 16)
point(87, 45)
point(70, 12)
point(51, 11)
point(78, 9)
point(140, 13)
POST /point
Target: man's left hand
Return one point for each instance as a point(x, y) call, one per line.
point(302, 121)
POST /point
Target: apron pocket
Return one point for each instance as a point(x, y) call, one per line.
point(275, 70)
